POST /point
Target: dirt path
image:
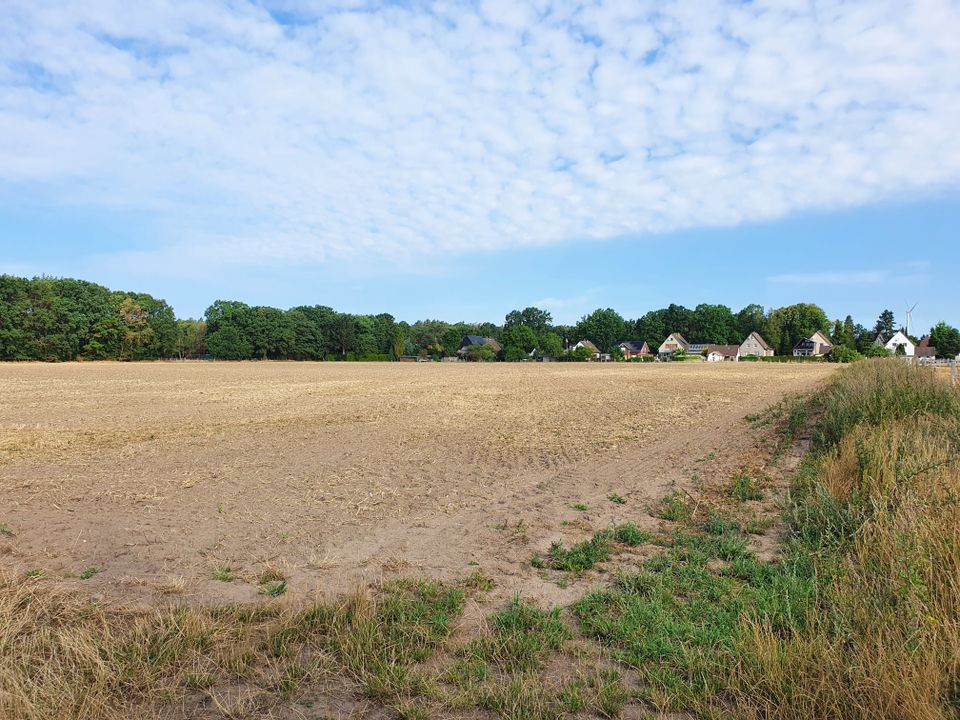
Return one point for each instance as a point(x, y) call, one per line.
point(338, 475)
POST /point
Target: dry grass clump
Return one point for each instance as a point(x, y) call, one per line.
point(63, 657)
point(880, 521)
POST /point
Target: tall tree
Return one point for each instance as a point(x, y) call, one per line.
point(886, 325)
point(713, 324)
point(787, 326)
point(946, 339)
point(603, 327)
point(520, 340)
point(750, 319)
point(532, 317)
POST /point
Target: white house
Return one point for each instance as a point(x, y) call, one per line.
point(594, 350)
point(755, 345)
point(900, 344)
point(721, 353)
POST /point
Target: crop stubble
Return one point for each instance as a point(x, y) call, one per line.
point(341, 473)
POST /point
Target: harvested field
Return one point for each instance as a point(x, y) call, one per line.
point(160, 476)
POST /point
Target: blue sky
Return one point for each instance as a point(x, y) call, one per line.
point(458, 160)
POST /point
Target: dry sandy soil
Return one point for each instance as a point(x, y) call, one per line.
point(342, 474)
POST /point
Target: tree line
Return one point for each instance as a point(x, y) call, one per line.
point(64, 319)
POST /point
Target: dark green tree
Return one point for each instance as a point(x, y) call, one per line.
point(787, 326)
point(750, 319)
point(946, 339)
point(713, 324)
point(886, 325)
point(603, 327)
point(520, 337)
point(550, 345)
point(534, 318)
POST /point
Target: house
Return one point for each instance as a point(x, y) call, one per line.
point(469, 340)
point(900, 344)
point(756, 345)
point(722, 353)
point(817, 345)
point(674, 342)
point(924, 350)
point(635, 349)
point(595, 352)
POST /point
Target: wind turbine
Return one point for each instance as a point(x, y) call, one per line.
point(909, 316)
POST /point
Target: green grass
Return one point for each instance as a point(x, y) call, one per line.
point(616, 499)
point(674, 507)
point(744, 488)
point(518, 638)
point(582, 507)
point(89, 573)
point(677, 621)
point(274, 588)
point(586, 554)
point(719, 524)
point(35, 573)
point(224, 574)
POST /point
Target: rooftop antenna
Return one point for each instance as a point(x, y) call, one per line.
point(909, 316)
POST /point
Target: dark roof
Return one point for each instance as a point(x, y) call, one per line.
point(634, 345)
point(760, 340)
point(469, 340)
point(725, 350)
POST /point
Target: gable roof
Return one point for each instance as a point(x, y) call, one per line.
point(725, 350)
point(469, 340)
point(635, 346)
point(587, 344)
point(759, 338)
point(824, 340)
point(924, 349)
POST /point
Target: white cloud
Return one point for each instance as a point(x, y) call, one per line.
point(344, 132)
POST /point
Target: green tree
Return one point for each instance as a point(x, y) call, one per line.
point(946, 339)
point(873, 351)
point(479, 353)
point(398, 343)
point(519, 336)
point(603, 327)
point(849, 332)
point(228, 343)
point(750, 319)
point(550, 345)
point(189, 342)
point(713, 324)
point(534, 318)
point(787, 326)
point(886, 325)
point(844, 354)
point(340, 331)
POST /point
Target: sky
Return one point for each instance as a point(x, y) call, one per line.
point(462, 159)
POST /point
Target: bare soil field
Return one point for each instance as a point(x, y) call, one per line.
point(334, 475)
